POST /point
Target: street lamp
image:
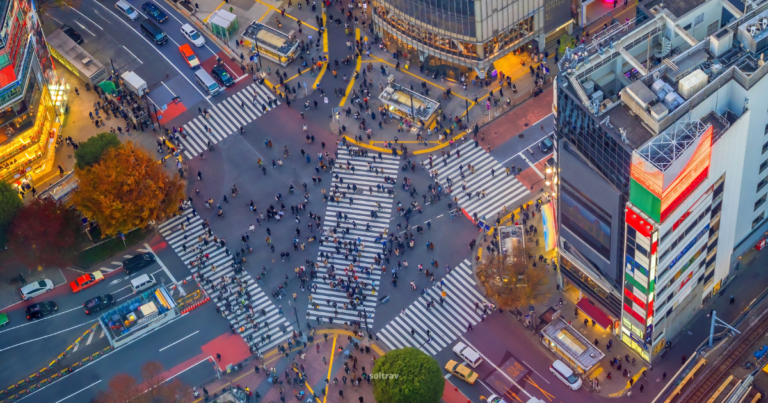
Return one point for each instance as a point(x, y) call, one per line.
point(366, 320)
point(296, 315)
point(466, 107)
point(157, 117)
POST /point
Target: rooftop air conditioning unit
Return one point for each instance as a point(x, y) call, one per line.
point(655, 9)
point(720, 42)
point(87, 61)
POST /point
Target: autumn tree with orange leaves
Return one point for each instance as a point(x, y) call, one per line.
point(154, 387)
point(510, 279)
point(126, 189)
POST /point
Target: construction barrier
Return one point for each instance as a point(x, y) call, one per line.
point(36, 380)
point(192, 301)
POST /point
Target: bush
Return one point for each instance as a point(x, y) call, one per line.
point(90, 151)
point(10, 203)
point(107, 249)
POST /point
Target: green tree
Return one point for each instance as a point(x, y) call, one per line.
point(10, 203)
point(409, 375)
point(90, 151)
point(45, 232)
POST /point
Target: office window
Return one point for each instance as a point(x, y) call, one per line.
point(758, 220)
point(712, 28)
point(759, 202)
point(763, 166)
point(765, 147)
point(761, 184)
point(698, 20)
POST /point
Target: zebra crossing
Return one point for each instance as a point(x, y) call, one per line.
point(445, 322)
point(359, 170)
point(226, 118)
point(500, 189)
point(273, 326)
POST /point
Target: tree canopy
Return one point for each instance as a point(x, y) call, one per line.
point(10, 203)
point(152, 388)
point(90, 151)
point(419, 377)
point(45, 232)
point(510, 280)
point(126, 189)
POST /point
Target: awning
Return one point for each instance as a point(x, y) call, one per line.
point(593, 312)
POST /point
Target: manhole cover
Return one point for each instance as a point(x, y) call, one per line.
point(526, 125)
point(521, 135)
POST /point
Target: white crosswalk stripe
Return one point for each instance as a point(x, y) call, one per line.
point(226, 118)
point(445, 322)
point(500, 189)
point(272, 327)
point(356, 217)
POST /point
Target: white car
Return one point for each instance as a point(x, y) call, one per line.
point(32, 290)
point(468, 354)
point(192, 35)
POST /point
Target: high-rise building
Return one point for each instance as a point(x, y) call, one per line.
point(30, 92)
point(458, 36)
point(663, 158)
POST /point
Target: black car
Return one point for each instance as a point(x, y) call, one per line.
point(72, 34)
point(220, 74)
point(41, 310)
point(138, 262)
point(156, 13)
point(98, 303)
point(546, 145)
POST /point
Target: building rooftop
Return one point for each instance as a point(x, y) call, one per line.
point(570, 341)
point(402, 97)
point(677, 7)
point(270, 37)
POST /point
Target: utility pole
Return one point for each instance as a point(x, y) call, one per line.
point(296, 315)
point(466, 106)
point(717, 322)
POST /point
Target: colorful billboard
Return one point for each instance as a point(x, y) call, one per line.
point(658, 193)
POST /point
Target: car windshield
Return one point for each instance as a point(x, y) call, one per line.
point(191, 58)
point(572, 379)
point(129, 10)
point(160, 36)
point(213, 87)
point(194, 35)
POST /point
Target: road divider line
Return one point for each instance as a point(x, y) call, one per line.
point(47, 335)
point(40, 320)
point(87, 387)
point(75, 10)
point(179, 341)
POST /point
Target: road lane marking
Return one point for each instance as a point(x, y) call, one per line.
point(135, 57)
point(166, 87)
point(533, 166)
point(40, 320)
point(495, 366)
point(189, 367)
point(83, 27)
point(87, 387)
point(168, 13)
point(330, 367)
point(179, 341)
point(537, 373)
point(48, 335)
point(158, 51)
point(90, 337)
point(102, 17)
point(75, 10)
point(168, 272)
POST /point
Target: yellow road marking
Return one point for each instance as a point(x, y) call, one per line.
point(286, 14)
point(546, 394)
point(351, 84)
point(627, 387)
point(370, 147)
point(330, 367)
point(265, 15)
point(420, 78)
point(217, 8)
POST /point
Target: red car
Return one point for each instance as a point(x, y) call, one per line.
point(86, 280)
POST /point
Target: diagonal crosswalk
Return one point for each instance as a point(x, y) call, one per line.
point(445, 322)
point(500, 189)
point(341, 297)
point(226, 117)
point(272, 327)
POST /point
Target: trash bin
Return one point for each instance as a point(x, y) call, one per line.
point(383, 300)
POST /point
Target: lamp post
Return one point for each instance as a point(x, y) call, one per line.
point(368, 330)
point(157, 117)
point(298, 325)
point(466, 106)
point(413, 113)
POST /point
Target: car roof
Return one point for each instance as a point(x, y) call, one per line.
point(186, 48)
point(33, 285)
point(219, 68)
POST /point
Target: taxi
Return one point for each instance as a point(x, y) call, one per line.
point(189, 56)
point(461, 371)
point(86, 280)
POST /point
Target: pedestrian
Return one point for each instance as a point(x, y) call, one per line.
point(218, 357)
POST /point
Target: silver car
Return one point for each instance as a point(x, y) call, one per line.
point(36, 288)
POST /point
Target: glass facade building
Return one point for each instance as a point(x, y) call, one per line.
point(32, 97)
point(456, 36)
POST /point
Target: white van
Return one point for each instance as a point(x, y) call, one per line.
point(468, 354)
point(127, 10)
point(565, 374)
point(143, 282)
point(207, 82)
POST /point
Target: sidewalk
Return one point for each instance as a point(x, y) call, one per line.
point(322, 363)
point(9, 286)
point(80, 127)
